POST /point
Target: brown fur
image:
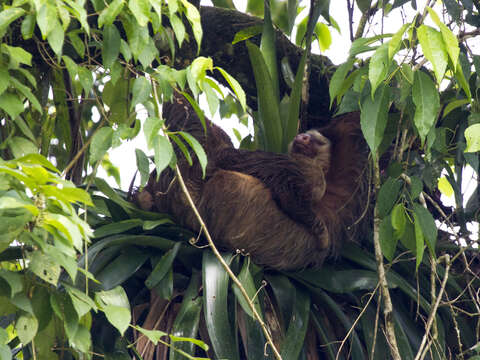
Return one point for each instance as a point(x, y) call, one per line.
point(286, 211)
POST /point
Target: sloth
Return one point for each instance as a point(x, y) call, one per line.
point(287, 211)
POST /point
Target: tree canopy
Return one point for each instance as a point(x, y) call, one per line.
point(86, 274)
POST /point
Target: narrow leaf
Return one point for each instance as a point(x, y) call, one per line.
point(427, 103)
point(434, 49)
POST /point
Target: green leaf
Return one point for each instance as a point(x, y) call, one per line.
point(472, 136)
point(387, 196)
point(110, 45)
point(427, 103)
point(153, 335)
point(449, 39)
point(364, 5)
point(86, 78)
point(246, 279)
point(143, 166)
point(55, 38)
point(18, 54)
point(26, 327)
point(445, 187)
point(21, 146)
point(28, 25)
point(215, 293)
point(25, 90)
point(140, 91)
point(44, 267)
point(163, 152)
point(118, 316)
point(378, 68)
point(141, 10)
point(197, 148)
point(434, 50)
point(77, 43)
point(235, 86)
point(178, 28)
point(419, 241)
point(101, 143)
point(388, 241)
point(162, 267)
point(399, 220)
point(338, 79)
point(373, 117)
point(395, 43)
point(453, 105)
point(14, 280)
point(427, 226)
point(11, 104)
point(117, 227)
point(187, 321)
point(247, 33)
point(297, 327)
point(193, 17)
point(110, 12)
point(267, 101)
point(116, 297)
point(8, 16)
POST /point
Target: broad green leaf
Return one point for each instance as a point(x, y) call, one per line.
point(178, 28)
point(46, 18)
point(28, 25)
point(324, 36)
point(25, 90)
point(86, 78)
point(26, 327)
point(110, 45)
point(235, 86)
point(373, 117)
point(8, 16)
point(449, 39)
point(80, 301)
point(14, 280)
point(472, 136)
point(199, 67)
point(378, 67)
point(399, 220)
point(110, 12)
point(395, 43)
point(148, 53)
point(388, 242)
point(18, 54)
point(141, 10)
point(427, 225)
point(197, 148)
point(338, 78)
point(387, 196)
point(453, 105)
point(77, 43)
point(21, 146)
point(427, 103)
point(118, 316)
point(101, 143)
point(116, 297)
point(419, 241)
point(445, 187)
point(247, 33)
point(162, 267)
point(140, 91)
point(267, 101)
point(163, 152)
point(4, 79)
point(434, 49)
point(11, 104)
point(151, 128)
point(143, 166)
point(44, 267)
point(56, 38)
point(153, 335)
point(193, 17)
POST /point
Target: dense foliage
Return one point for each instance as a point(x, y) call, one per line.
point(85, 274)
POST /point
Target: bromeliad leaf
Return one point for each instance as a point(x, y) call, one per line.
point(427, 103)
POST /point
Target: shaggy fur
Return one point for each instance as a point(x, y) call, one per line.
point(286, 211)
